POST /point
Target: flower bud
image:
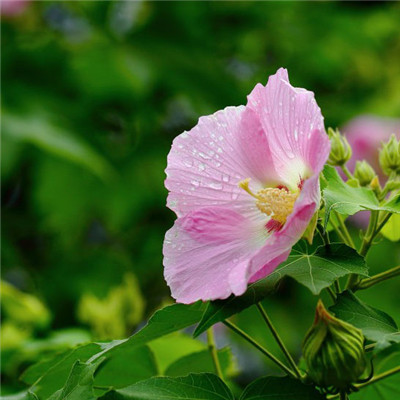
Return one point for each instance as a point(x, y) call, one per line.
point(340, 148)
point(364, 173)
point(389, 156)
point(333, 351)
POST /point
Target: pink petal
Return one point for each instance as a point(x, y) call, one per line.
point(206, 164)
point(289, 117)
point(278, 245)
point(204, 250)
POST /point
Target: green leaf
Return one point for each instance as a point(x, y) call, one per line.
point(375, 324)
point(219, 310)
point(387, 388)
point(168, 349)
point(125, 366)
point(192, 387)
point(79, 385)
point(50, 375)
point(348, 200)
point(202, 362)
point(276, 388)
point(391, 230)
point(319, 269)
point(38, 129)
point(25, 395)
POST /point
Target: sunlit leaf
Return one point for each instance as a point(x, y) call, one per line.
point(391, 230)
point(349, 200)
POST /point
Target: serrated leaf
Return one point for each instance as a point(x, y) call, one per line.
point(201, 361)
point(192, 387)
point(375, 324)
point(276, 388)
point(348, 200)
point(319, 269)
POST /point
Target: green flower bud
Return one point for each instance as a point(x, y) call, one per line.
point(364, 173)
point(389, 156)
point(333, 351)
point(340, 148)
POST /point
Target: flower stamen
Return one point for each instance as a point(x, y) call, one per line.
point(276, 202)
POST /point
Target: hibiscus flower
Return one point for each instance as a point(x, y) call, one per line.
point(244, 184)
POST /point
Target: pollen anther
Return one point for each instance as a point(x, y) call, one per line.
point(277, 203)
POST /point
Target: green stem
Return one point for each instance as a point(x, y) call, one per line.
point(343, 395)
point(369, 347)
point(337, 286)
point(343, 227)
point(331, 293)
point(379, 377)
point(373, 280)
point(347, 172)
point(365, 245)
point(213, 351)
point(263, 350)
point(278, 339)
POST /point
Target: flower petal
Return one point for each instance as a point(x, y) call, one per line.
point(278, 245)
point(206, 164)
point(204, 250)
point(289, 117)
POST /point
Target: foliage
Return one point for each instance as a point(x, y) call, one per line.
point(93, 95)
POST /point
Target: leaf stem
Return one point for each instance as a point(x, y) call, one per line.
point(278, 339)
point(331, 293)
point(213, 352)
point(379, 377)
point(347, 172)
point(343, 227)
point(263, 350)
point(373, 280)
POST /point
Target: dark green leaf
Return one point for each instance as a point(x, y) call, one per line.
point(201, 361)
point(126, 366)
point(191, 387)
point(276, 388)
point(349, 200)
point(220, 310)
point(318, 270)
point(376, 325)
point(387, 388)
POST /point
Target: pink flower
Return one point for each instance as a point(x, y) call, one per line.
point(244, 185)
point(13, 7)
point(365, 134)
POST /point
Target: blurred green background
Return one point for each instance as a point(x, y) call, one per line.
point(93, 94)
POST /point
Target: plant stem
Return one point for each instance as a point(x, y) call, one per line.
point(337, 286)
point(373, 280)
point(347, 172)
point(263, 350)
point(369, 347)
point(343, 227)
point(331, 293)
point(365, 245)
point(278, 339)
point(343, 395)
point(379, 377)
point(213, 351)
